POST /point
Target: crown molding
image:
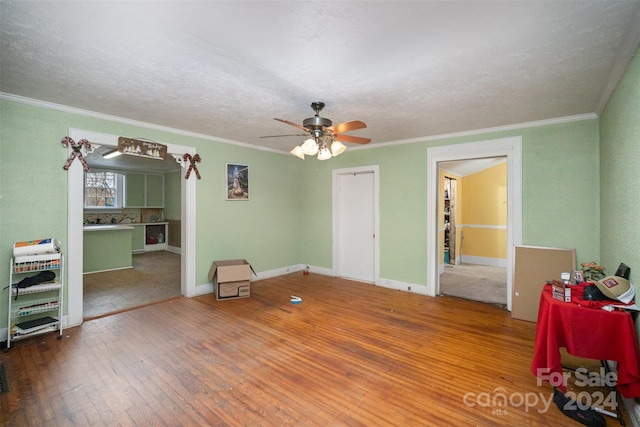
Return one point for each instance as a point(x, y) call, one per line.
point(524, 125)
point(123, 120)
point(87, 113)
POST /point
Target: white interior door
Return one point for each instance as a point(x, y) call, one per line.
point(357, 226)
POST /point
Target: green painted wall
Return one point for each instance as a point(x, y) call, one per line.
point(288, 219)
point(560, 196)
point(33, 191)
point(620, 172)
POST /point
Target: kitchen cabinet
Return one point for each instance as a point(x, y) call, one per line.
point(135, 190)
point(144, 190)
point(155, 191)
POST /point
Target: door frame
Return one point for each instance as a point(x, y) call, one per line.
point(75, 212)
point(375, 169)
point(511, 148)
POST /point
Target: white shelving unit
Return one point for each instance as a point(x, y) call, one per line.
point(37, 303)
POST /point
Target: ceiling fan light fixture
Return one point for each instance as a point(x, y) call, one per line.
point(310, 147)
point(297, 151)
point(337, 147)
point(324, 153)
point(323, 135)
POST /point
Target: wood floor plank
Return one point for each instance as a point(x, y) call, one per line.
point(351, 354)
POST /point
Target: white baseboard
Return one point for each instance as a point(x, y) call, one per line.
point(207, 288)
point(109, 269)
point(174, 249)
point(403, 286)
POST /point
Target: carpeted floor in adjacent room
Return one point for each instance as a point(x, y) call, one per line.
point(475, 282)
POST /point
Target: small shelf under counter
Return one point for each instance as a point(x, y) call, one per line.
point(149, 236)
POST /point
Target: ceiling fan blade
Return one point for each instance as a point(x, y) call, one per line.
point(293, 124)
point(349, 138)
point(281, 136)
point(347, 126)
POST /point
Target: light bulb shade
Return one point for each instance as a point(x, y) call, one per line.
point(324, 153)
point(297, 151)
point(309, 147)
point(337, 147)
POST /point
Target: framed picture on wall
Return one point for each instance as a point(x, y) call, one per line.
point(237, 182)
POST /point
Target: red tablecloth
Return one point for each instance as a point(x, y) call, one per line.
point(586, 332)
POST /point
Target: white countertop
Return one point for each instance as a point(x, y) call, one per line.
point(106, 227)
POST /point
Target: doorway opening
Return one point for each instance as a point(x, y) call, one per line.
point(75, 246)
point(506, 148)
point(474, 211)
point(147, 202)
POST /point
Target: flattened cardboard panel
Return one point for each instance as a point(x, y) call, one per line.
point(535, 265)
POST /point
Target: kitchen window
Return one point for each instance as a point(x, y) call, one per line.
point(103, 190)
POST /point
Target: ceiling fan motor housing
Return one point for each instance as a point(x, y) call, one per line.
point(316, 122)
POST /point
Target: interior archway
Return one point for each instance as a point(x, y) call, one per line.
point(75, 207)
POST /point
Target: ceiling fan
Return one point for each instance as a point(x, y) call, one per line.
point(325, 139)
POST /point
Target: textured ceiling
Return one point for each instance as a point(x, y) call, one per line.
point(408, 69)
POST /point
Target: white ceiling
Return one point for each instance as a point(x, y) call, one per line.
point(409, 70)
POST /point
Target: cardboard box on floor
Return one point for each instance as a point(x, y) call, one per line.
point(231, 278)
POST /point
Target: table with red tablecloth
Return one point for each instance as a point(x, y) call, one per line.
point(588, 332)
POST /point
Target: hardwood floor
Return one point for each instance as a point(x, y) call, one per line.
point(351, 354)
